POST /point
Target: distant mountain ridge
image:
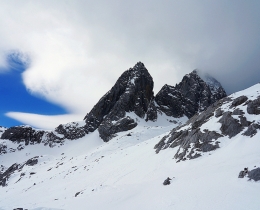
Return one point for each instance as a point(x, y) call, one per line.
point(132, 93)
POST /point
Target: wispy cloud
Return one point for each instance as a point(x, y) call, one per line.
point(47, 122)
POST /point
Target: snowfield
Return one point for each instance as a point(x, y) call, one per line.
point(126, 173)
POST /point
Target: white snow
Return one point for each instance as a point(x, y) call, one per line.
point(125, 173)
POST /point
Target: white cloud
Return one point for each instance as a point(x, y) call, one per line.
point(47, 122)
point(78, 49)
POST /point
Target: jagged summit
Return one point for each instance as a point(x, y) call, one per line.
point(132, 92)
point(214, 85)
point(193, 94)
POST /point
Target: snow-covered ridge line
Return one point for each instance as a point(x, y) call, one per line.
point(238, 114)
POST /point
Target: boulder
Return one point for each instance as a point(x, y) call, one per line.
point(243, 173)
point(254, 174)
point(251, 130)
point(32, 161)
point(167, 181)
point(230, 126)
point(238, 111)
point(238, 101)
point(253, 107)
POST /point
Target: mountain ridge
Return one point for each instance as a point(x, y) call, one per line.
point(132, 92)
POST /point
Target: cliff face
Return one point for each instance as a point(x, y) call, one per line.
point(132, 92)
point(193, 94)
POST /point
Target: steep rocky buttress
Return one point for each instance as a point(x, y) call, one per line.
point(132, 92)
point(193, 94)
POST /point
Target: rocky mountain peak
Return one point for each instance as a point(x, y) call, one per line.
point(131, 93)
point(193, 94)
point(130, 97)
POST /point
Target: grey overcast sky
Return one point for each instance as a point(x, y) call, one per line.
point(77, 49)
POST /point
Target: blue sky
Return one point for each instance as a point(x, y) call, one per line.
point(15, 97)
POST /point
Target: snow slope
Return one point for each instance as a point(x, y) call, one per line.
point(126, 173)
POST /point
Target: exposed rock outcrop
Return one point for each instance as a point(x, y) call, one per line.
point(196, 137)
point(167, 181)
point(229, 125)
point(23, 134)
point(243, 173)
point(254, 174)
point(192, 95)
point(238, 101)
point(108, 129)
point(16, 167)
point(253, 107)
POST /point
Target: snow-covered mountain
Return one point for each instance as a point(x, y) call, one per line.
point(237, 114)
point(74, 167)
point(132, 92)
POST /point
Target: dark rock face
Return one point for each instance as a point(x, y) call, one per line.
point(3, 149)
point(109, 129)
point(71, 131)
point(132, 92)
point(254, 174)
point(151, 113)
point(29, 135)
point(253, 107)
point(238, 112)
point(243, 173)
point(238, 101)
point(218, 113)
point(193, 141)
point(170, 100)
point(230, 126)
point(23, 134)
point(5, 176)
point(16, 167)
point(251, 130)
point(167, 181)
point(33, 161)
point(190, 96)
